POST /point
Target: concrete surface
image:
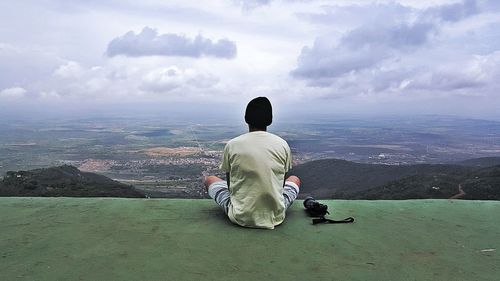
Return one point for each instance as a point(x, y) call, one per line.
point(175, 239)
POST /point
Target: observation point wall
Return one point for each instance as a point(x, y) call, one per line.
point(175, 239)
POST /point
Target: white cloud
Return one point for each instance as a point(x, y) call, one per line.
point(12, 93)
point(70, 69)
point(251, 4)
point(475, 76)
point(53, 95)
point(163, 80)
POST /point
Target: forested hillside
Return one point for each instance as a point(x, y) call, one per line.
point(63, 181)
point(333, 178)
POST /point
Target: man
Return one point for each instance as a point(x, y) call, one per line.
point(256, 193)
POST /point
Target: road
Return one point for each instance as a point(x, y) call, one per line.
point(461, 193)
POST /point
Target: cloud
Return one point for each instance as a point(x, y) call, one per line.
point(12, 93)
point(251, 4)
point(359, 49)
point(74, 81)
point(149, 43)
point(52, 95)
point(163, 80)
point(166, 79)
point(396, 37)
point(25, 65)
point(453, 12)
point(70, 69)
point(374, 46)
point(476, 73)
point(358, 15)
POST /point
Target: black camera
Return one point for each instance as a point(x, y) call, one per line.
point(314, 208)
point(319, 211)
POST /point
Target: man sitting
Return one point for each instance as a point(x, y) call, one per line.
point(256, 193)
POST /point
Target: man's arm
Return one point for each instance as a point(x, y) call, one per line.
point(225, 165)
point(288, 163)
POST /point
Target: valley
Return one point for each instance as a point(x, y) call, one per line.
point(166, 157)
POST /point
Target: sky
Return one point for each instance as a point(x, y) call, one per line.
point(207, 57)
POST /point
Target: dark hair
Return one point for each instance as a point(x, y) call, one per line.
point(259, 113)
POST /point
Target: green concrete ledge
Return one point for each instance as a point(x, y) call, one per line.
point(171, 239)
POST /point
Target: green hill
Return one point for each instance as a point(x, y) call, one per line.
point(333, 178)
point(173, 239)
point(328, 178)
point(481, 162)
point(65, 181)
point(414, 187)
point(483, 184)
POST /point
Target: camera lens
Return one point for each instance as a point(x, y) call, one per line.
point(309, 202)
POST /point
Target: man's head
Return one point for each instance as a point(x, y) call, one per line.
point(259, 113)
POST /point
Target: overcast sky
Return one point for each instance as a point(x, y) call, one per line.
point(359, 57)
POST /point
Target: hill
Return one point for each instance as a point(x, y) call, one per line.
point(175, 239)
point(330, 177)
point(323, 179)
point(483, 184)
point(333, 178)
point(65, 181)
point(481, 162)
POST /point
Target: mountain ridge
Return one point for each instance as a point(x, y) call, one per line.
point(65, 180)
point(341, 179)
point(472, 179)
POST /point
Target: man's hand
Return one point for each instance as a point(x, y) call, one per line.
point(208, 180)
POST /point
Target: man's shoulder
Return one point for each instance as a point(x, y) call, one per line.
point(237, 139)
point(254, 136)
point(278, 138)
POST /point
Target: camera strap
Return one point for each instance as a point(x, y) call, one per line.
point(325, 220)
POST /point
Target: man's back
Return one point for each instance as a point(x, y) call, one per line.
point(257, 162)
